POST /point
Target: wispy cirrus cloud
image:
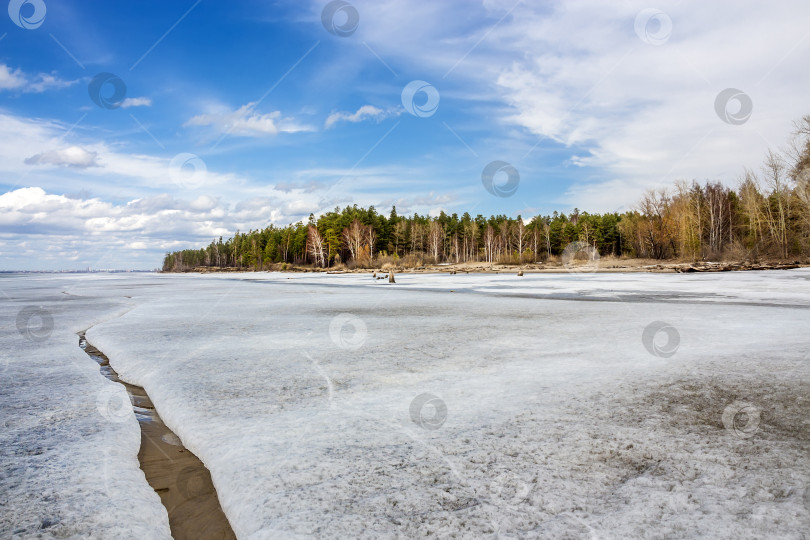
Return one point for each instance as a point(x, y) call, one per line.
point(366, 112)
point(304, 187)
point(246, 121)
point(72, 156)
point(631, 115)
point(14, 79)
point(136, 102)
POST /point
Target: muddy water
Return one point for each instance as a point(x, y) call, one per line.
point(181, 480)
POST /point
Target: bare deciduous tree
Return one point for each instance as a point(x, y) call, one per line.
point(436, 239)
point(316, 247)
point(489, 243)
point(353, 237)
point(777, 206)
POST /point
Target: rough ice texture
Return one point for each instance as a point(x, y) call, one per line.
point(65, 469)
point(296, 392)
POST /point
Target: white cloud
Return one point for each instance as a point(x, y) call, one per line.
point(11, 79)
point(247, 122)
point(136, 102)
point(43, 229)
point(366, 112)
point(43, 81)
point(37, 212)
point(576, 73)
point(72, 156)
point(97, 165)
point(15, 79)
point(69, 221)
point(631, 115)
point(222, 201)
point(306, 187)
point(646, 113)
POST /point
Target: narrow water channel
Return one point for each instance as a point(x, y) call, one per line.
point(181, 480)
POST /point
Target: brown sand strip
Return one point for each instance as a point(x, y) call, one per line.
point(181, 480)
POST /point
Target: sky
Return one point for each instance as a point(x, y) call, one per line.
point(132, 128)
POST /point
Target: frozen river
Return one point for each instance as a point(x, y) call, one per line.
point(450, 406)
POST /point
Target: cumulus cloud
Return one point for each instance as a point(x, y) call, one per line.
point(247, 122)
point(92, 165)
point(136, 102)
point(11, 79)
point(35, 211)
point(48, 230)
point(97, 170)
point(72, 156)
point(16, 79)
point(366, 112)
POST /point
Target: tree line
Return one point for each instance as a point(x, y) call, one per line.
point(767, 215)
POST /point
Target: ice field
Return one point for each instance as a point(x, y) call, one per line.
point(586, 406)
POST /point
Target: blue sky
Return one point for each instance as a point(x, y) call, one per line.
point(275, 117)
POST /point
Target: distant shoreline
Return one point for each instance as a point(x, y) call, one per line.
point(78, 271)
point(603, 266)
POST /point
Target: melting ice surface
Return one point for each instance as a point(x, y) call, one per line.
point(452, 406)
